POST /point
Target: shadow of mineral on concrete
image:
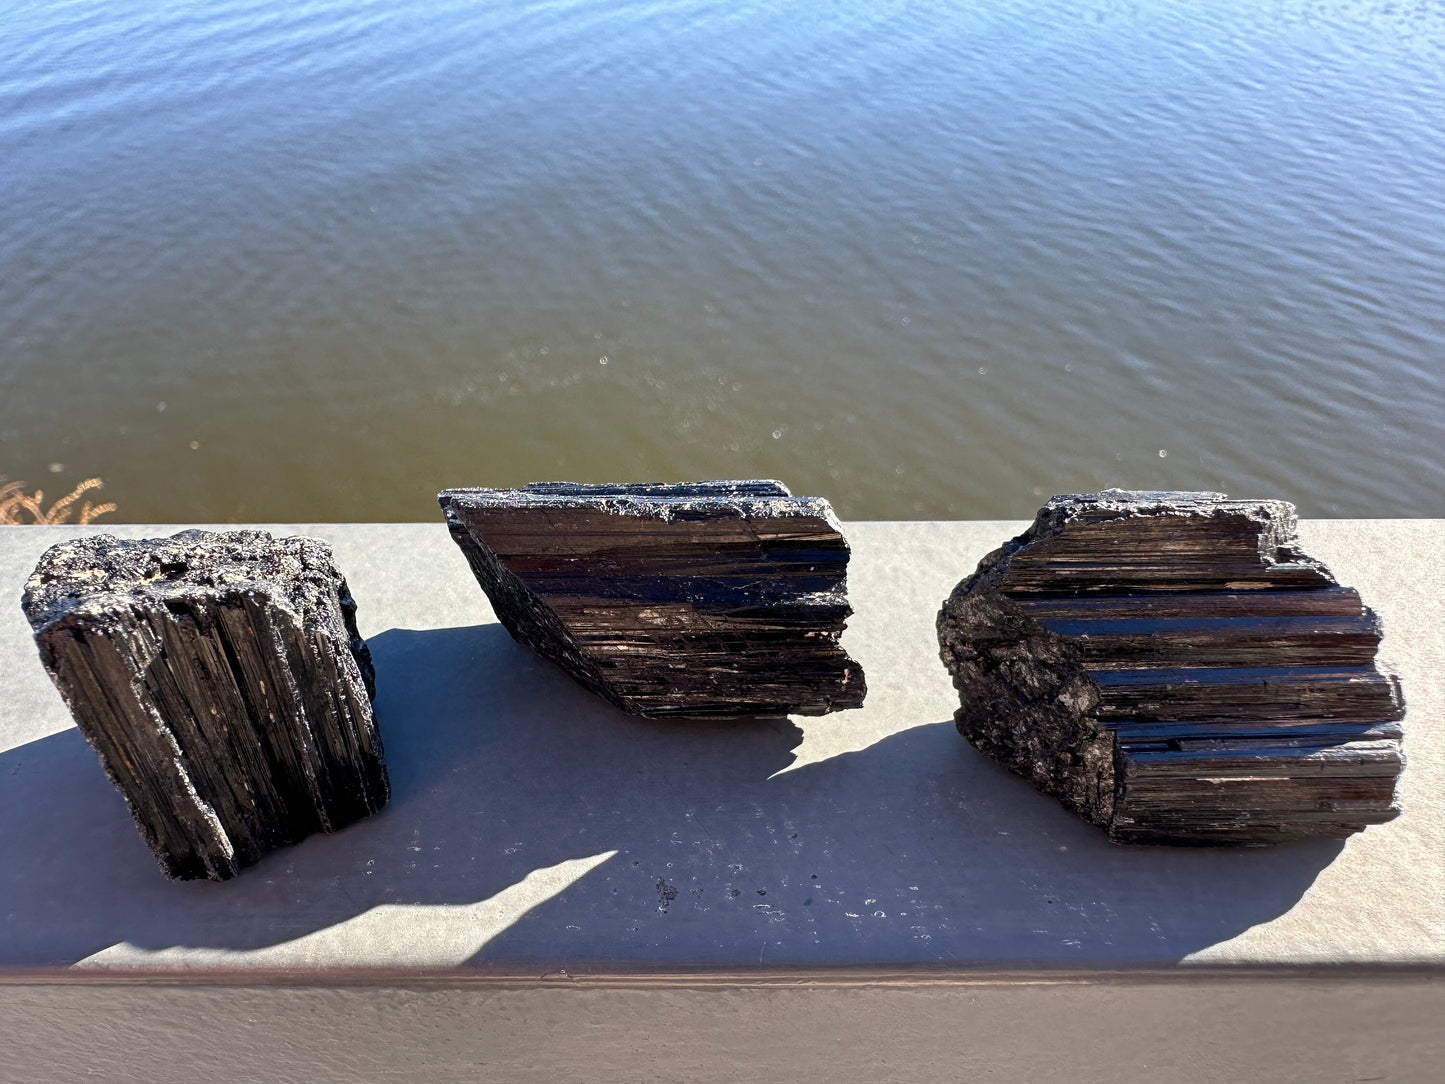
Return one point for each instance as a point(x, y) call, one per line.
point(914, 849)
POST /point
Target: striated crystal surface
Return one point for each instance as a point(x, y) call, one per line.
point(221, 680)
point(704, 599)
point(1174, 668)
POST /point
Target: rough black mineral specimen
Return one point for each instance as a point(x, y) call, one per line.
point(222, 681)
point(707, 599)
point(1174, 668)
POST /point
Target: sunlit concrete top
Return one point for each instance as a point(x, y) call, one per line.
point(533, 826)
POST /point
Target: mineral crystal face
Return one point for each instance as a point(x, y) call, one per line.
point(221, 679)
point(1174, 668)
point(708, 599)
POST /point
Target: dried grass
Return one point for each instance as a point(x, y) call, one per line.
point(19, 507)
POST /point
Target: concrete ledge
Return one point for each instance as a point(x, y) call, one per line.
point(535, 829)
point(1091, 1032)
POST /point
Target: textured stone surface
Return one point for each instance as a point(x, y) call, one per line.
point(707, 599)
point(1173, 667)
point(221, 679)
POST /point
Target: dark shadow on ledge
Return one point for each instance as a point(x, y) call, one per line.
point(914, 850)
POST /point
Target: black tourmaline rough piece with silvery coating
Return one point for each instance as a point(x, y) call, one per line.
point(1174, 668)
point(703, 600)
point(221, 679)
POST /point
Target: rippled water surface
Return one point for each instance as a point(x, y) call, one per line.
point(293, 261)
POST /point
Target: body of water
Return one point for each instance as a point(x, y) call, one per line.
point(265, 261)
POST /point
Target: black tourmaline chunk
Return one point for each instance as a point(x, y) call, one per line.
point(1174, 668)
point(706, 599)
point(222, 681)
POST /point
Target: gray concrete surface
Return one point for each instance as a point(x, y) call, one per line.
point(1054, 1030)
point(533, 828)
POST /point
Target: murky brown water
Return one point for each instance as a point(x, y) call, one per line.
point(268, 261)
